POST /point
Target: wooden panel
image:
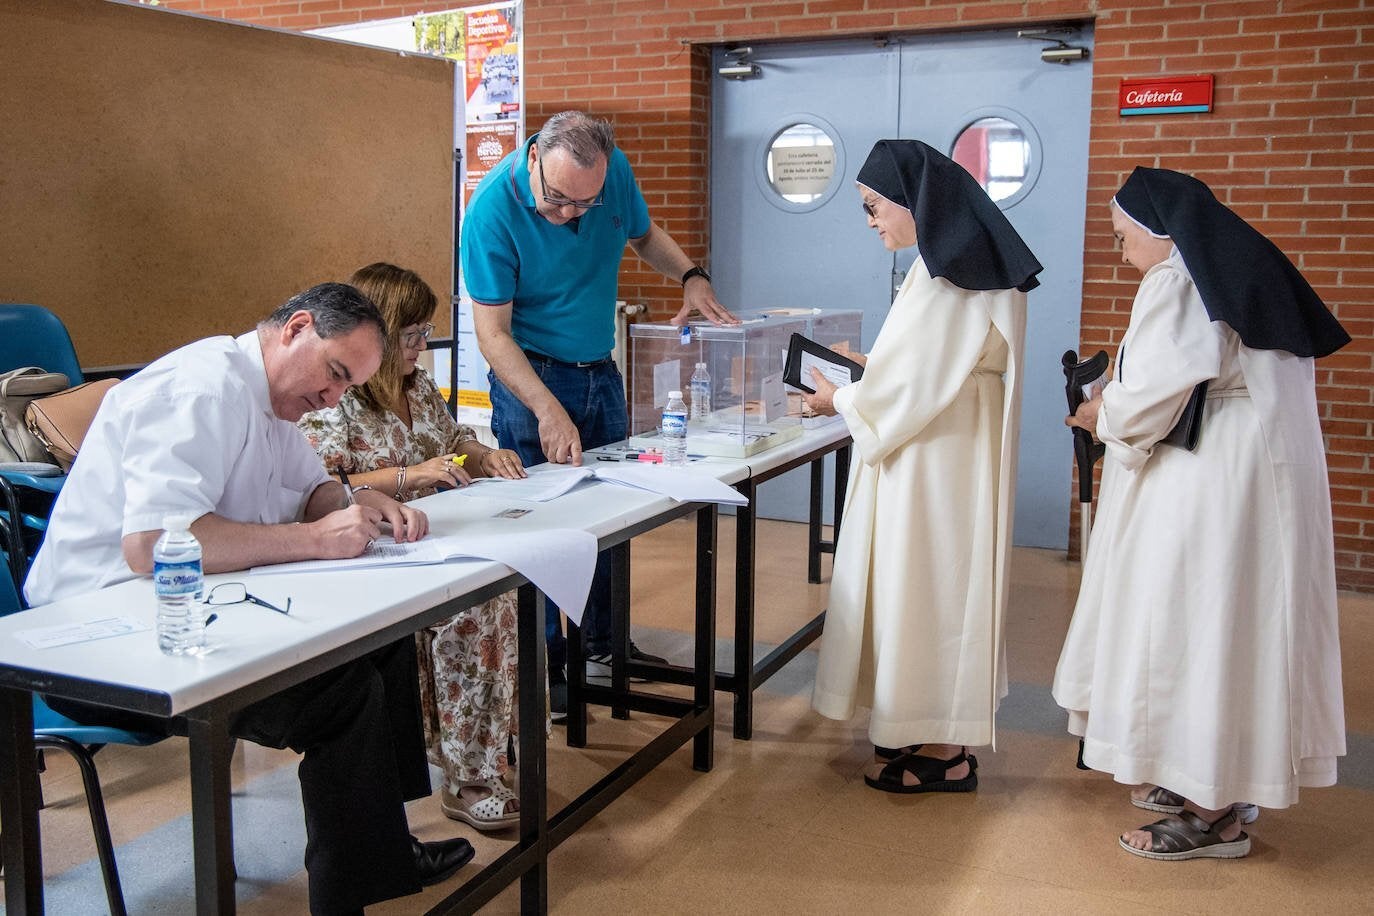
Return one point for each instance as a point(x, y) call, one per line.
point(166, 177)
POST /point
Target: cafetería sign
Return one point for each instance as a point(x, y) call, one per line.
point(1166, 95)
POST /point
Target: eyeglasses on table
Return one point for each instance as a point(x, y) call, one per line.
point(237, 593)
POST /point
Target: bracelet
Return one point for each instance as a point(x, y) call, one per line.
point(695, 271)
point(357, 490)
point(400, 482)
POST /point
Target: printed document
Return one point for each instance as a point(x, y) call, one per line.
point(559, 561)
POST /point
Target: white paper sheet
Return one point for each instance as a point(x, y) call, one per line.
point(667, 377)
point(836, 375)
point(542, 484)
point(560, 561)
point(675, 483)
point(64, 634)
point(774, 397)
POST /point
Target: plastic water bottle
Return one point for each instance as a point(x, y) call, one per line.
point(675, 431)
point(179, 583)
point(701, 394)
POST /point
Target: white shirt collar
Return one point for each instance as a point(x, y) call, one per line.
point(250, 345)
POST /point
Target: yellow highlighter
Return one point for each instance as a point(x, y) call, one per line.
point(459, 459)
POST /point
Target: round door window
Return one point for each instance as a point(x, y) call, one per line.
point(997, 153)
point(801, 163)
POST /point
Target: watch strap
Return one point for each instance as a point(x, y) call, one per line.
point(695, 271)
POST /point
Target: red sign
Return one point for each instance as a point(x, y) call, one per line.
point(1166, 95)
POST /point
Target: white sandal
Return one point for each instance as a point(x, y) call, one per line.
point(485, 814)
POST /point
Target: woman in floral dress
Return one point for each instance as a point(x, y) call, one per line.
point(395, 434)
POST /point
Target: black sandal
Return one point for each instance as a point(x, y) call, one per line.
point(930, 772)
point(892, 753)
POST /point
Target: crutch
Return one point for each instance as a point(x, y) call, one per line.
point(1078, 376)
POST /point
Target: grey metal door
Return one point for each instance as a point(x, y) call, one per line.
point(813, 249)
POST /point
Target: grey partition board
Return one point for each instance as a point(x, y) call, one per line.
point(166, 177)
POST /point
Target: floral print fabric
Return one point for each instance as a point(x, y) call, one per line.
point(467, 692)
point(357, 439)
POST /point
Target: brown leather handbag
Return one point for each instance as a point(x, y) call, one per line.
point(60, 420)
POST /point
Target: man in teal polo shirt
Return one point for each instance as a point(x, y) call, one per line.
point(541, 245)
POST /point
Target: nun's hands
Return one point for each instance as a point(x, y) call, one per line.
point(842, 348)
point(823, 401)
point(1085, 417)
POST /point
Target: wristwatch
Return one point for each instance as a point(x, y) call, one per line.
point(696, 272)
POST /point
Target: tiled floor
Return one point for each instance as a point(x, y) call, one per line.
point(784, 823)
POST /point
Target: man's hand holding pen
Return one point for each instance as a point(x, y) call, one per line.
point(350, 531)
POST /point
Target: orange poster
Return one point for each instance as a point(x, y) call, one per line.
point(493, 65)
point(487, 143)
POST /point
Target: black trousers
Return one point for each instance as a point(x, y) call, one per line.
point(359, 729)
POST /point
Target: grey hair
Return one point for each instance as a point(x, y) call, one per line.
point(336, 308)
point(586, 139)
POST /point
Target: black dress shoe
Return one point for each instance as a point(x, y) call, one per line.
point(439, 860)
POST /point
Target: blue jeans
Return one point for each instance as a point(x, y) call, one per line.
point(594, 397)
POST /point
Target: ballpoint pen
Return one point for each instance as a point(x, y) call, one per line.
point(348, 488)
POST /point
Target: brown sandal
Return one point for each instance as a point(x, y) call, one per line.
point(1160, 799)
point(1188, 836)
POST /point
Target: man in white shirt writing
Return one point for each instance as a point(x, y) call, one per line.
point(209, 431)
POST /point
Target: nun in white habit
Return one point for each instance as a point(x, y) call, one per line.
point(919, 589)
point(1202, 663)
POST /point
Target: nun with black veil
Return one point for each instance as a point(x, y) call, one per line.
point(1202, 664)
point(919, 589)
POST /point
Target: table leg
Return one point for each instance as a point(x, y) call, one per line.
point(744, 612)
point(813, 522)
point(19, 805)
point(212, 822)
point(842, 455)
point(576, 724)
point(703, 747)
point(534, 884)
point(619, 556)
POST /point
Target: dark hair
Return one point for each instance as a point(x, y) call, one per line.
point(336, 308)
point(587, 139)
point(403, 299)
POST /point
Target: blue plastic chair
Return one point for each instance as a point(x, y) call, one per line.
point(30, 335)
point(55, 732)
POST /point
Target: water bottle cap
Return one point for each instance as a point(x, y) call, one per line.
point(701, 365)
point(674, 394)
point(179, 521)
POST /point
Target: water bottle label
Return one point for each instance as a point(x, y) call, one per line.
point(177, 580)
point(674, 423)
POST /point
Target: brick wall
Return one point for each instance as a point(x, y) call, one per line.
point(1289, 145)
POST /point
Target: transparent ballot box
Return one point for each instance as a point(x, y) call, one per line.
point(749, 403)
point(837, 329)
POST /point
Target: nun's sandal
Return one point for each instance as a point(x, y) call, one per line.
point(1188, 836)
point(1165, 802)
point(929, 772)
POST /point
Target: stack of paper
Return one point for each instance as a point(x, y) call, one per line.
point(550, 482)
point(682, 485)
point(543, 484)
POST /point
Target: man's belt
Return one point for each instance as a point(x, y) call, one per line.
point(549, 360)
